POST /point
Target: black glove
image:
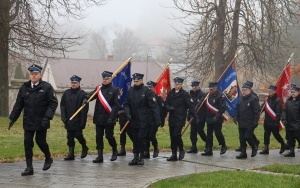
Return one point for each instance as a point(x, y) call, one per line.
point(235, 121)
point(11, 123)
point(110, 122)
point(45, 122)
point(170, 108)
point(215, 119)
point(64, 120)
point(162, 124)
point(84, 101)
point(128, 117)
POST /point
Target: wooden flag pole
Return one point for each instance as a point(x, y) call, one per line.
point(114, 75)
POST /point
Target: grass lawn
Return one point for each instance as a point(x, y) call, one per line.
point(224, 179)
point(282, 168)
point(11, 141)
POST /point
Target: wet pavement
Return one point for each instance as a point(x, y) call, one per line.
point(84, 173)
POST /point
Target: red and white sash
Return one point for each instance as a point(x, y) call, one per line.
point(215, 111)
point(272, 114)
point(103, 101)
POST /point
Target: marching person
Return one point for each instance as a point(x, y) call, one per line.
point(291, 119)
point(140, 106)
point(197, 127)
point(105, 115)
point(247, 116)
point(72, 100)
point(151, 137)
point(39, 102)
point(178, 102)
point(122, 122)
point(273, 111)
point(215, 108)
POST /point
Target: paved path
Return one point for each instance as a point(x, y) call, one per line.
point(84, 173)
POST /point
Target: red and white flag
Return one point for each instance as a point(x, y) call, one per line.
point(163, 84)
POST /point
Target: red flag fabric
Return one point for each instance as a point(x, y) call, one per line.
point(163, 84)
point(283, 87)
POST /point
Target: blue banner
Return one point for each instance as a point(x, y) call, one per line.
point(123, 82)
point(228, 85)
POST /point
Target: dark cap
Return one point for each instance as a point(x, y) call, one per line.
point(35, 68)
point(212, 84)
point(248, 83)
point(295, 88)
point(75, 78)
point(106, 74)
point(178, 80)
point(195, 83)
point(272, 87)
point(151, 83)
point(137, 76)
point(246, 86)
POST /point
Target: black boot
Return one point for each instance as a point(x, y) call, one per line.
point(223, 149)
point(208, 152)
point(99, 158)
point(84, 151)
point(265, 150)
point(141, 160)
point(254, 151)
point(173, 156)
point(239, 149)
point(181, 154)
point(243, 154)
point(70, 156)
point(291, 153)
point(135, 160)
point(114, 154)
point(155, 152)
point(193, 149)
point(122, 151)
point(146, 155)
point(283, 147)
point(47, 164)
point(28, 171)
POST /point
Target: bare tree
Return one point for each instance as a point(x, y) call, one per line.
point(28, 30)
point(217, 28)
point(97, 47)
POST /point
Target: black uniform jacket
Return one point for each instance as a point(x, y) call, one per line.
point(110, 93)
point(248, 111)
point(292, 113)
point(217, 100)
point(181, 101)
point(38, 102)
point(70, 102)
point(275, 104)
point(197, 97)
point(141, 104)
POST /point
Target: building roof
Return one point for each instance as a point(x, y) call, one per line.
point(59, 71)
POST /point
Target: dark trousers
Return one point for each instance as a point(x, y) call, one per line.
point(246, 135)
point(292, 136)
point(138, 137)
point(40, 139)
point(109, 134)
point(217, 128)
point(197, 128)
point(151, 137)
point(275, 131)
point(122, 122)
point(176, 139)
point(72, 134)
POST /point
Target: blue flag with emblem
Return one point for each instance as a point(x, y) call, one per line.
point(228, 85)
point(123, 82)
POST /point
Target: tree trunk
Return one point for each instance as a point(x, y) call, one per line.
point(4, 33)
point(219, 39)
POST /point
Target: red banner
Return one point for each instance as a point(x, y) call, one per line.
point(283, 84)
point(163, 84)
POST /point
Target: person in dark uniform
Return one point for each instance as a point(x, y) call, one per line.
point(291, 119)
point(215, 108)
point(197, 127)
point(140, 106)
point(247, 116)
point(151, 137)
point(122, 121)
point(105, 115)
point(71, 101)
point(39, 102)
point(257, 142)
point(178, 103)
point(273, 111)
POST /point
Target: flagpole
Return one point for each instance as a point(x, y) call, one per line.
point(235, 56)
point(113, 76)
point(165, 69)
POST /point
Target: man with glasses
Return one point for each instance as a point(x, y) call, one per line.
point(197, 127)
point(105, 115)
point(140, 106)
